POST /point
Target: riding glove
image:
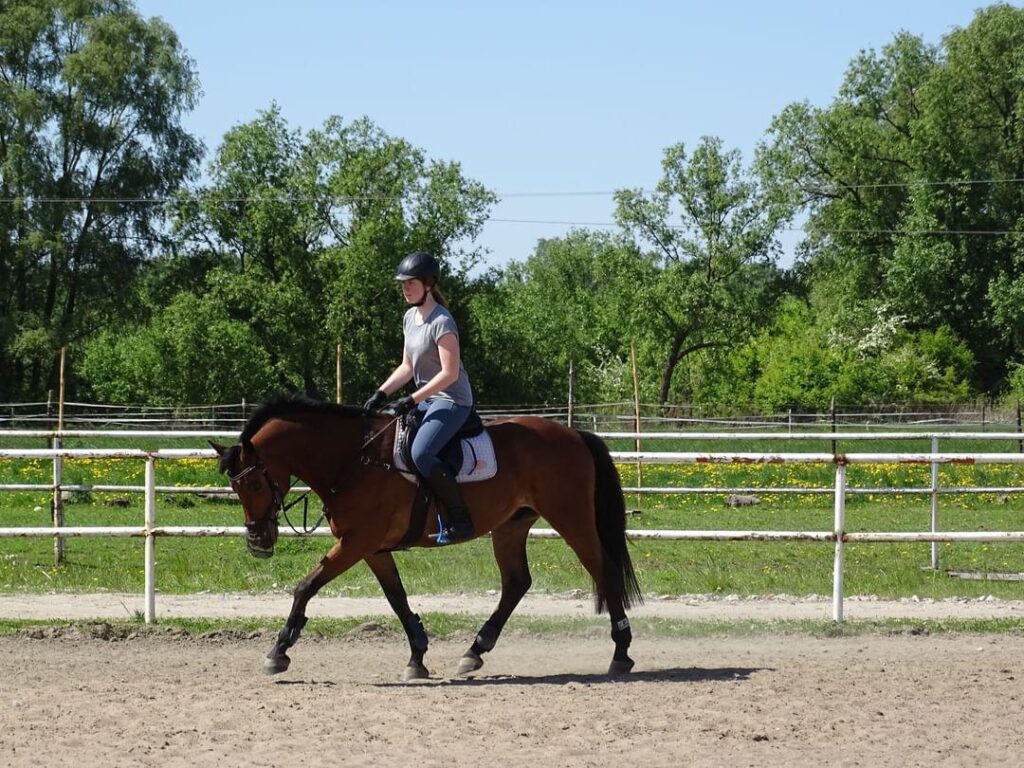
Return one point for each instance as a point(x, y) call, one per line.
point(401, 406)
point(377, 399)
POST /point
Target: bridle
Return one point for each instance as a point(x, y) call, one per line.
point(278, 508)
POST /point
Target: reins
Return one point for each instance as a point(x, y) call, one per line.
point(279, 508)
point(368, 461)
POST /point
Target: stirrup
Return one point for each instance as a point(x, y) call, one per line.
point(444, 533)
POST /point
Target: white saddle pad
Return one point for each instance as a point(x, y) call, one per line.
point(478, 459)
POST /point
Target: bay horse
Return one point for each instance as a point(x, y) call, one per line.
point(344, 455)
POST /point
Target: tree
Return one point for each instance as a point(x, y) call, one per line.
point(91, 101)
point(708, 287)
point(805, 360)
point(300, 235)
point(569, 302)
point(907, 178)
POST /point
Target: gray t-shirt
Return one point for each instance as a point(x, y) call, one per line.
point(421, 347)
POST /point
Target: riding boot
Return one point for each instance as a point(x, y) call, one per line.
point(442, 483)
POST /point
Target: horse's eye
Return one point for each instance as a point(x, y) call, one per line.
point(256, 485)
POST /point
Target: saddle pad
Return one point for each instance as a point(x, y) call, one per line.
point(478, 459)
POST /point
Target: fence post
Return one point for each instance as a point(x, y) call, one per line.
point(636, 414)
point(150, 516)
point(832, 414)
point(1020, 443)
point(337, 375)
point(838, 529)
point(935, 503)
point(58, 470)
point(58, 504)
point(572, 388)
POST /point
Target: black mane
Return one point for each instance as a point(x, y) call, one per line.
point(284, 405)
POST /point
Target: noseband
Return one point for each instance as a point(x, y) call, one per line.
point(278, 507)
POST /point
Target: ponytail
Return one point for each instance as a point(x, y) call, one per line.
point(438, 296)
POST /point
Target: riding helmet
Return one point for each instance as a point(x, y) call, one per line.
point(418, 266)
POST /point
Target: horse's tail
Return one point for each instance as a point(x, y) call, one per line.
point(618, 576)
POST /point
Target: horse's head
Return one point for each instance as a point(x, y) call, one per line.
point(258, 490)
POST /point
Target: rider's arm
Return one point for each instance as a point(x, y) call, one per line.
point(401, 376)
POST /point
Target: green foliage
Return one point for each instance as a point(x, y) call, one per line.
point(290, 251)
point(908, 288)
point(193, 351)
point(1016, 382)
point(569, 302)
point(708, 287)
point(91, 101)
point(904, 176)
point(807, 360)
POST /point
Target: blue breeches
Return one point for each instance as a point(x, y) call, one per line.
point(442, 419)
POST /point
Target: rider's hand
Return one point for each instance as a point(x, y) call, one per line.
point(377, 399)
point(401, 406)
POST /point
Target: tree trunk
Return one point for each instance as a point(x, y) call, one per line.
point(673, 360)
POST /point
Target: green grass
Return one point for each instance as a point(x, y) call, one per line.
point(672, 568)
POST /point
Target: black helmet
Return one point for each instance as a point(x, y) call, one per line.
point(418, 266)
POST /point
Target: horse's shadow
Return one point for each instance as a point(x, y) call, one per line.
point(671, 675)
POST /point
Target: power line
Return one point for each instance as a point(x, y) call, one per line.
point(31, 199)
point(784, 229)
point(679, 227)
point(555, 223)
point(908, 231)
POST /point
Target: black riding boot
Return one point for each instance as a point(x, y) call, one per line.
point(442, 483)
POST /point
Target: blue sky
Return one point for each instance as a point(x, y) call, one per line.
point(535, 98)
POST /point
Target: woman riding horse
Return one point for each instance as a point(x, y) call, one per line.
point(345, 456)
point(432, 359)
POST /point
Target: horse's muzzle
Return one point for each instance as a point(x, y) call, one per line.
point(257, 550)
point(260, 541)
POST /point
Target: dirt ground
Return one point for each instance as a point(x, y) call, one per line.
point(770, 701)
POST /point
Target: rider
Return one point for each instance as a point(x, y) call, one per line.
point(431, 358)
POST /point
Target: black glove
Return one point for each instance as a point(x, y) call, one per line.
point(401, 406)
point(377, 399)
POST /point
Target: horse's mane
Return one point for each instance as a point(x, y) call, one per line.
point(281, 406)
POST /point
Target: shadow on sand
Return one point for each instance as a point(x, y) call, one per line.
point(671, 675)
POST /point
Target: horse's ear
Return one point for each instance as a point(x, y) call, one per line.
point(220, 449)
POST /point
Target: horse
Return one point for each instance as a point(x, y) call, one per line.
point(344, 455)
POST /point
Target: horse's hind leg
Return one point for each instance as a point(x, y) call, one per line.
point(587, 546)
point(509, 542)
point(384, 568)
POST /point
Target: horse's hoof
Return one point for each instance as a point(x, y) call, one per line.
point(618, 668)
point(414, 672)
point(272, 665)
point(471, 662)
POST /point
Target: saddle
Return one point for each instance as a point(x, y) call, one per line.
point(469, 455)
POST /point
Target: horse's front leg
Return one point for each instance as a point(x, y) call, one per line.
point(384, 568)
point(338, 560)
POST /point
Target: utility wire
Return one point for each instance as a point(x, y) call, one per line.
point(784, 229)
point(394, 198)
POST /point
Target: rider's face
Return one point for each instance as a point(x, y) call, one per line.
point(413, 290)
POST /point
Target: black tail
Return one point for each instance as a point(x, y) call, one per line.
point(618, 575)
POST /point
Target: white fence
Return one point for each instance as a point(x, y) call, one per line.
point(594, 416)
point(150, 530)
